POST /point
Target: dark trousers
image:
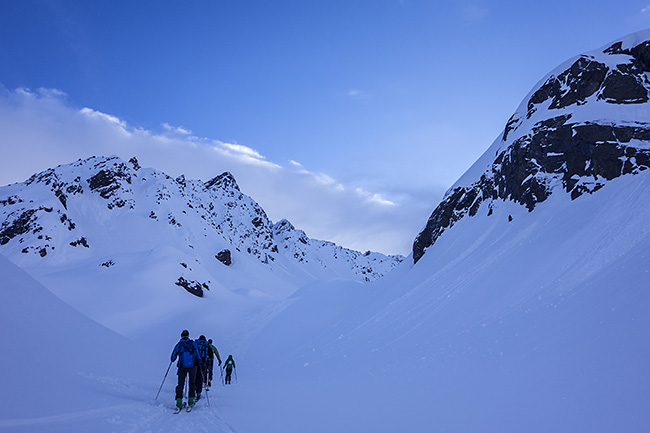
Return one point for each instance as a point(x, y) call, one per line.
point(210, 368)
point(199, 378)
point(182, 373)
point(228, 374)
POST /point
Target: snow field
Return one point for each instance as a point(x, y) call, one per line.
point(536, 324)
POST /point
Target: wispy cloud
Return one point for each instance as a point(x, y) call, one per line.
point(176, 129)
point(238, 148)
point(89, 112)
point(374, 198)
point(244, 154)
point(41, 129)
point(645, 10)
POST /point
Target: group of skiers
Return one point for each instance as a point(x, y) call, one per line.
point(196, 362)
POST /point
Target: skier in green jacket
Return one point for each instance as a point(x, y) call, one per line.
point(212, 352)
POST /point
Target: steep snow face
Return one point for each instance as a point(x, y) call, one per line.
point(585, 124)
point(107, 230)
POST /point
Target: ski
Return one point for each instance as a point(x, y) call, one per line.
point(178, 409)
point(189, 408)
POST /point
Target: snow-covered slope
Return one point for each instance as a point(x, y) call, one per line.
point(62, 372)
point(585, 123)
point(537, 325)
point(50, 346)
point(118, 241)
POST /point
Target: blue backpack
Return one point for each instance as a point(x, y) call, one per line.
point(186, 351)
point(202, 347)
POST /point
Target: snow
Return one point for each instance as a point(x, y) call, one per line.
point(152, 230)
point(55, 357)
point(541, 321)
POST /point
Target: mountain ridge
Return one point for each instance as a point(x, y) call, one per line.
point(102, 225)
point(113, 180)
point(580, 126)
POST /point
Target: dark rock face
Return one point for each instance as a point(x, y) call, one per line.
point(23, 223)
point(556, 151)
point(627, 84)
point(586, 77)
point(193, 287)
point(225, 181)
point(283, 227)
point(109, 180)
point(624, 89)
point(81, 241)
point(224, 257)
point(134, 162)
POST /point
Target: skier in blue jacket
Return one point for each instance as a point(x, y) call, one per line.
point(188, 361)
point(201, 372)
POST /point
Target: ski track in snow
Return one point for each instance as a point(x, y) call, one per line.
point(126, 418)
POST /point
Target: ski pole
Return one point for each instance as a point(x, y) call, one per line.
point(204, 373)
point(163, 382)
point(222, 381)
point(235, 370)
point(207, 395)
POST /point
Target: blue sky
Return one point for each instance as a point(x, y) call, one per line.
point(355, 116)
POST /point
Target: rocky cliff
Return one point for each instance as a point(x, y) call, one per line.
point(586, 123)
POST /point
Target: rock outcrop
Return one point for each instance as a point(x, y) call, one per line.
point(586, 124)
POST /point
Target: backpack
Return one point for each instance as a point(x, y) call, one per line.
point(202, 347)
point(186, 353)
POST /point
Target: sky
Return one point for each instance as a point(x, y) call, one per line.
point(349, 118)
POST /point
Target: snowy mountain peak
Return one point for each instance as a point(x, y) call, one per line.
point(225, 181)
point(283, 226)
point(105, 213)
point(585, 124)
